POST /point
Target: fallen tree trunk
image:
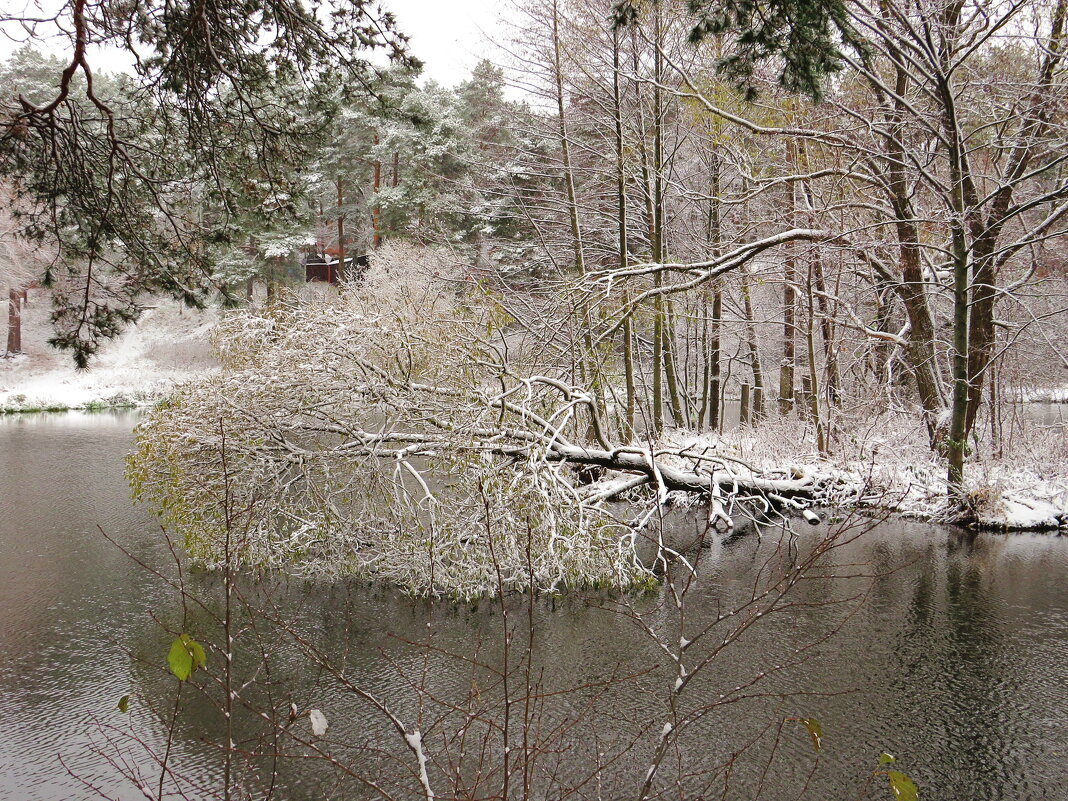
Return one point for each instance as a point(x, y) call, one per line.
point(673, 479)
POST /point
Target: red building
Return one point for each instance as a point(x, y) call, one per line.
point(328, 269)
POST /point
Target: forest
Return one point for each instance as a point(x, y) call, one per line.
point(779, 264)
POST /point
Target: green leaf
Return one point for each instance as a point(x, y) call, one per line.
point(200, 659)
point(886, 759)
point(124, 704)
point(180, 660)
point(185, 656)
point(904, 788)
point(815, 731)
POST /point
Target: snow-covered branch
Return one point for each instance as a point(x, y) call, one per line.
point(381, 439)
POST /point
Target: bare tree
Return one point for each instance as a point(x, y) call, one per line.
point(21, 261)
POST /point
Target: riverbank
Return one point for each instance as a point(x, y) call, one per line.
point(168, 345)
point(890, 468)
point(885, 464)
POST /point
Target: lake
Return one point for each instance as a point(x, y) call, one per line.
point(954, 657)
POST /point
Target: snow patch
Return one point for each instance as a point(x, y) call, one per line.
point(893, 469)
point(169, 344)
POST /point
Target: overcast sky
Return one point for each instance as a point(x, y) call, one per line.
point(448, 35)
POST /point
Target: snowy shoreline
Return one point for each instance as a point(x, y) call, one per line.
point(1044, 394)
point(896, 473)
point(80, 399)
point(168, 345)
point(892, 470)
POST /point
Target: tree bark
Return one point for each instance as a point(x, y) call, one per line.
point(14, 322)
point(789, 299)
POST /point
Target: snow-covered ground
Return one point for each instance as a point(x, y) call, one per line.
point(168, 344)
point(890, 467)
point(1046, 394)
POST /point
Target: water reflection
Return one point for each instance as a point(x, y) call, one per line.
point(955, 662)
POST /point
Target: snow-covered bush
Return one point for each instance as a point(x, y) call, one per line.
point(378, 434)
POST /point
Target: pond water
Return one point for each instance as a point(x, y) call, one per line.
point(956, 661)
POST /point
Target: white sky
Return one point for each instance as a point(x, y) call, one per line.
point(449, 36)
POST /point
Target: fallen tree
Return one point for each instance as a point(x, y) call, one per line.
point(408, 433)
point(394, 432)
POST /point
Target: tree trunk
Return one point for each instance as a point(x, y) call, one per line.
point(663, 330)
point(710, 399)
point(376, 209)
point(671, 374)
point(830, 358)
point(712, 390)
point(789, 299)
point(920, 350)
point(623, 245)
point(830, 355)
point(628, 372)
point(340, 273)
point(963, 203)
point(813, 398)
point(565, 151)
point(957, 440)
point(588, 365)
point(658, 359)
point(271, 289)
point(751, 337)
point(14, 322)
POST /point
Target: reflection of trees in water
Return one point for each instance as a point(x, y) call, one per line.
point(941, 669)
point(957, 669)
point(583, 681)
point(1011, 585)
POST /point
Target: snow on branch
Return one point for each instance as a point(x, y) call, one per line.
point(694, 273)
point(386, 438)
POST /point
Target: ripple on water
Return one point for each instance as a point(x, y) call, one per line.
point(956, 663)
